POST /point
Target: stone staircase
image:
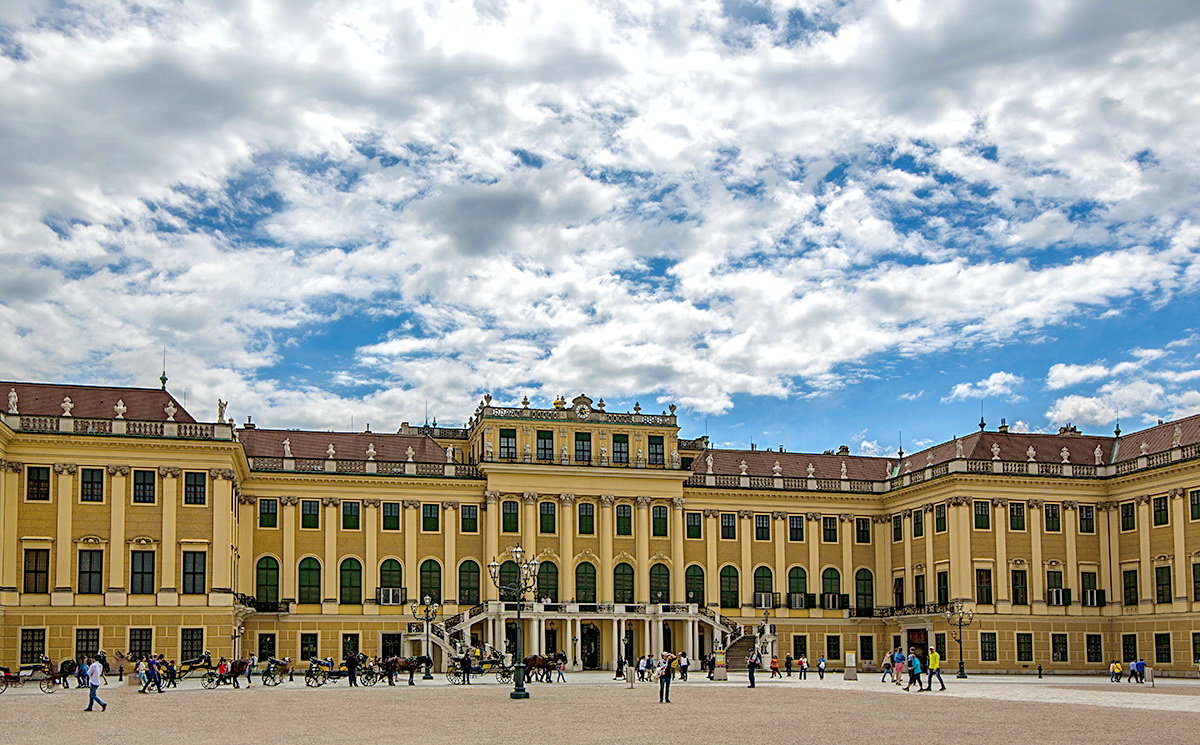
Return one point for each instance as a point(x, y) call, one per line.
point(735, 655)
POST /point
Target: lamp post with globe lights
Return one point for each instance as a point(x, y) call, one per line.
point(426, 611)
point(515, 588)
point(958, 618)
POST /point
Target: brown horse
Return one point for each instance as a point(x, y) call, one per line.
point(540, 669)
point(391, 666)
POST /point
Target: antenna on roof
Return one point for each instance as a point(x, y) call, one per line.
point(900, 440)
point(426, 412)
point(982, 424)
point(163, 378)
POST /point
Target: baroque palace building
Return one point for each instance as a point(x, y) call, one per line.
point(128, 525)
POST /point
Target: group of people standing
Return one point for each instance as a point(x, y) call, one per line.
point(646, 667)
point(896, 663)
point(1135, 668)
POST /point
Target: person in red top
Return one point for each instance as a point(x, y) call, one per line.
point(775, 666)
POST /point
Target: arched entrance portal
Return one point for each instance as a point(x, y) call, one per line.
point(589, 646)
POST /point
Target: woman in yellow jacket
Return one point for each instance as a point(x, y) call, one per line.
point(1114, 672)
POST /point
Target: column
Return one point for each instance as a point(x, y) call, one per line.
point(64, 544)
point(616, 641)
point(689, 639)
point(712, 572)
point(566, 543)
point(1002, 582)
point(930, 569)
point(1145, 569)
point(641, 531)
point(882, 538)
point(1037, 571)
point(450, 528)
point(371, 527)
point(1070, 518)
point(606, 528)
point(329, 569)
point(116, 590)
point(246, 518)
point(812, 534)
point(288, 572)
point(779, 526)
point(490, 514)
point(529, 523)
point(1181, 580)
point(222, 536)
point(1109, 561)
point(10, 549)
point(961, 576)
point(411, 509)
point(678, 564)
point(907, 541)
point(745, 529)
point(168, 555)
point(647, 639)
point(846, 539)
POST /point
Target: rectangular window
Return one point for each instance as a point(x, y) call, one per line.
point(1024, 647)
point(987, 646)
point(829, 529)
point(656, 454)
point(1162, 648)
point(1087, 518)
point(508, 443)
point(33, 646)
point(1128, 517)
point(762, 527)
point(1053, 514)
point(1129, 647)
point(796, 528)
point(195, 565)
point(266, 646)
point(310, 514)
point(350, 515)
point(983, 586)
point(145, 485)
point(1094, 647)
point(91, 485)
point(620, 445)
point(939, 642)
point(862, 530)
point(693, 524)
point(1016, 516)
point(833, 646)
point(799, 645)
point(866, 648)
point(191, 643)
point(728, 526)
point(1054, 578)
point(1087, 580)
point(898, 591)
point(939, 518)
point(87, 642)
point(268, 513)
point(1196, 582)
point(624, 519)
point(195, 488)
point(349, 645)
point(1020, 587)
point(141, 642)
point(37, 570)
point(431, 517)
point(1129, 585)
point(1195, 648)
point(983, 515)
point(587, 518)
point(1162, 585)
point(547, 518)
point(658, 521)
point(37, 484)
point(545, 444)
point(468, 518)
point(308, 646)
point(918, 523)
point(1058, 647)
point(583, 447)
point(141, 573)
point(1159, 511)
point(91, 572)
point(1194, 503)
point(919, 589)
point(391, 515)
point(943, 587)
point(510, 517)
point(897, 528)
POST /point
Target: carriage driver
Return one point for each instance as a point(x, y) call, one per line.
point(466, 663)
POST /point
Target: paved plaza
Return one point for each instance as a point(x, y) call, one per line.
point(593, 708)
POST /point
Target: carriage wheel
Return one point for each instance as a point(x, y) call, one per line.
point(504, 675)
point(455, 677)
point(314, 678)
point(271, 678)
point(369, 677)
point(210, 681)
point(3, 683)
point(48, 685)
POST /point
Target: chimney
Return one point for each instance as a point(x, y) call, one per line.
point(843, 450)
point(1003, 426)
point(249, 423)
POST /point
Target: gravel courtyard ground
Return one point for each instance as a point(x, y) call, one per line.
point(592, 708)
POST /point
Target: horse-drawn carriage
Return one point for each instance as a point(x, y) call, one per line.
point(212, 679)
point(203, 662)
point(540, 668)
point(390, 667)
point(276, 668)
point(486, 666)
point(48, 682)
point(322, 671)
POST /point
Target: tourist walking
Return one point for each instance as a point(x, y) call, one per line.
point(1141, 670)
point(81, 673)
point(711, 664)
point(1132, 671)
point(803, 663)
point(684, 664)
point(913, 664)
point(821, 667)
point(95, 671)
point(140, 669)
point(620, 674)
point(1114, 671)
point(935, 668)
point(153, 676)
point(788, 662)
point(664, 672)
point(251, 663)
point(887, 668)
point(898, 664)
point(775, 667)
point(562, 666)
point(171, 673)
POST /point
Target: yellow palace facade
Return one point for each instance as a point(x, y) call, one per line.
point(127, 525)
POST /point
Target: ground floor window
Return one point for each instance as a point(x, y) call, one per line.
point(1196, 648)
point(1162, 649)
point(1129, 647)
point(191, 643)
point(800, 645)
point(87, 642)
point(349, 645)
point(866, 649)
point(308, 646)
point(1058, 647)
point(1095, 647)
point(33, 645)
point(141, 642)
point(939, 643)
point(987, 646)
point(1024, 647)
point(833, 647)
point(266, 646)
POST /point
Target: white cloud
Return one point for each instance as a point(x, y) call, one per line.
point(998, 384)
point(911, 396)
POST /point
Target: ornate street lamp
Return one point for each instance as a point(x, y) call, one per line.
point(525, 581)
point(959, 619)
point(427, 611)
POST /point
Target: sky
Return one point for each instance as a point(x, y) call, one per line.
point(807, 223)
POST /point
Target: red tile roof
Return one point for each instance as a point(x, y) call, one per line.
point(92, 401)
point(792, 465)
point(268, 443)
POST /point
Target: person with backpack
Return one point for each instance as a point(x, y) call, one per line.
point(913, 664)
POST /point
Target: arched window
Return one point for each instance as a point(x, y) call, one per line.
point(864, 589)
point(266, 580)
point(468, 583)
point(693, 580)
point(431, 581)
point(660, 584)
point(763, 580)
point(831, 581)
point(729, 588)
point(350, 582)
point(510, 576)
point(622, 583)
point(797, 580)
point(585, 582)
point(391, 575)
point(309, 590)
point(547, 581)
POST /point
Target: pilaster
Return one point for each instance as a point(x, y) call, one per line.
point(288, 571)
point(329, 570)
point(115, 593)
point(10, 549)
point(566, 543)
point(371, 555)
point(490, 514)
point(641, 575)
point(168, 577)
point(64, 493)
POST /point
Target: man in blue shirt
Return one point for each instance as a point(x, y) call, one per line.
point(1141, 670)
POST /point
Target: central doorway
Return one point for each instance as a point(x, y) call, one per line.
point(589, 646)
